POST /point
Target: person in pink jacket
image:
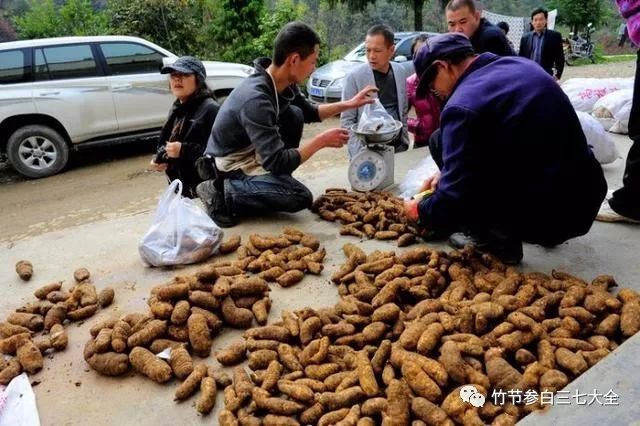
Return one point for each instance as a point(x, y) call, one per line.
point(427, 108)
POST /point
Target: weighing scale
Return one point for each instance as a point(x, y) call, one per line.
point(373, 168)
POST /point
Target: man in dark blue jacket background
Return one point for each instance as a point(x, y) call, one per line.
point(463, 16)
point(515, 163)
point(543, 45)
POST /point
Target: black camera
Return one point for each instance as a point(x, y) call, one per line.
point(161, 156)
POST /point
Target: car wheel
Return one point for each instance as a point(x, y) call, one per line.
point(37, 151)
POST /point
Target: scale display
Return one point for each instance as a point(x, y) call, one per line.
point(367, 171)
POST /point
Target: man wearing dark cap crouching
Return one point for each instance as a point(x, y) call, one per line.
point(514, 162)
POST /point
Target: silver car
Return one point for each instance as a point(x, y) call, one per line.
point(60, 95)
point(325, 84)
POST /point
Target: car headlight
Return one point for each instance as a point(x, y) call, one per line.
point(337, 82)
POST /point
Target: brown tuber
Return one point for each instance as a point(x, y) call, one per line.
point(199, 335)
point(33, 322)
point(147, 363)
point(191, 383)
point(105, 297)
point(81, 274)
point(180, 362)
point(24, 269)
point(207, 398)
point(232, 354)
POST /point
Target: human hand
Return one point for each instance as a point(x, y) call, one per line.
point(411, 210)
point(157, 167)
point(173, 149)
point(363, 97)
point(333, 138)
point(430, 183)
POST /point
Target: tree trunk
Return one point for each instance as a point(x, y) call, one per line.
point(417, 14)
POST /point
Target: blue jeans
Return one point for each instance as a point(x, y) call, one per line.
point(255, 195)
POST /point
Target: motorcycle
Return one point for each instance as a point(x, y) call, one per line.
point(578, 47)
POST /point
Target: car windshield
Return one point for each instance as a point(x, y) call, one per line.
point(359, 55)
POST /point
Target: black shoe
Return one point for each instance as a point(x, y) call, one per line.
point(434, 236)
point(214, 204)
point(508, 250)
point(458, 240)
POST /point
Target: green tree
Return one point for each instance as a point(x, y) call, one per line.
point(285, 11)
point(231, 28)
point(74, 17)
point(79, 18)
point(416, 6)
point(578, 13)
point(41, 20)
point(341, 29)
point(171, 24)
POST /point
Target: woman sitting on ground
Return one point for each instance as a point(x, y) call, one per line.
point(184, 136)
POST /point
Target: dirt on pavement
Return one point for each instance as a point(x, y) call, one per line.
point(108, 182)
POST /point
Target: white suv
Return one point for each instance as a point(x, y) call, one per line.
point(63, 94)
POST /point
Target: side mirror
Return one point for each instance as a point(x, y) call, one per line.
point(400, 58)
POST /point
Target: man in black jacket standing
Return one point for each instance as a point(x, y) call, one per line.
point(463, 16)
point(543, 45)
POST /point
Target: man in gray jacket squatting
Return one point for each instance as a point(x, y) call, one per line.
point(255, 140)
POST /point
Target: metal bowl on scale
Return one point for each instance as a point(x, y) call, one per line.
point(381, 137)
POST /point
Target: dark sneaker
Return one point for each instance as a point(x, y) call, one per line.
point(214, 204)
point(508, 250)
point(458, 240)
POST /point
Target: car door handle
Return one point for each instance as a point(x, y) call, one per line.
point(50, 93)
point(122, 86)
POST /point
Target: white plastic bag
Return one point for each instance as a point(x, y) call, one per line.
point(18, 406)
point(415, 177)
point(181, 232)
point(603, 147)
point(584, 92)
point(376, 119)
point(613, 110)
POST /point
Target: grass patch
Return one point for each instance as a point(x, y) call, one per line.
point(608, 59)
point(603, 59)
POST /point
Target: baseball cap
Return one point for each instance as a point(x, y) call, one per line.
point(186, 65)
point(441, 46)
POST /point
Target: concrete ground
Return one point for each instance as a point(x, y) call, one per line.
point(68, 393)
point(94, 214)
